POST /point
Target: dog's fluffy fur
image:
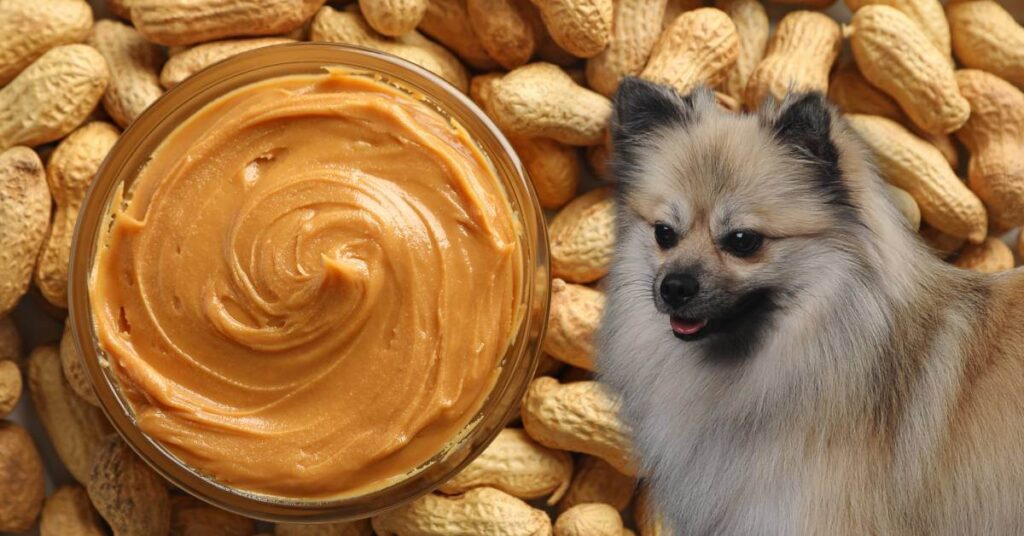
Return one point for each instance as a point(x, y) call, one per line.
point(851, 383)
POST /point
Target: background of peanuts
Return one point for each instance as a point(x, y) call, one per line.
point(38, 325)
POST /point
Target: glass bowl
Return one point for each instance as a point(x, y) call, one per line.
point(132, 152)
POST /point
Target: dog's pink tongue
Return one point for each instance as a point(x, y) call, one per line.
point(687, 327)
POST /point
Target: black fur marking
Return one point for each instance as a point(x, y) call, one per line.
point(641, 108)
point(733, 337)
point(805, 125)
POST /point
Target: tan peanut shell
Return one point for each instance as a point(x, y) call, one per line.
point(478, 511)
point(698, 48)
point(580, 417)
point(986, 36)
point(752, 27)
point(517, 465)
point(582, 237)
point(541, 100)
point(76, 429)
point(799, 57)
point(134, 69)
point(30, 28)
point(192, 517)
point(186, 22)
point(21, 479)
point(51, 97)
point(994, 135)
point(127, 493)
point(905, 203)
point(345, 528)
point(447, 22)
point(589, 519)
point(346, 27)
point(581, 27)
point(916, 166)
point(10, 340)
point(988, 257)
point(190, 61)
point(68, 512)
point(574, 316)
point(942, 244)
point(895, 55)
point(24, 218)
point(74, 370)
point(553, 167)
point(504, 30)
point(849, 90)
point(10, 387)
point(69, 172)
point(927, 14)
point(635, 29)
point(393, 17)
point(674, 8)
point(595, 481)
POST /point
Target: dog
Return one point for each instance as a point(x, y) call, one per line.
point(791, 358)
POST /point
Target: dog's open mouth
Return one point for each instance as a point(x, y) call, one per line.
point(688, 329)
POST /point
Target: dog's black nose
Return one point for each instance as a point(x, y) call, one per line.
point(677, 289)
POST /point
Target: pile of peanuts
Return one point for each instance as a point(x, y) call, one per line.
point(923, 80)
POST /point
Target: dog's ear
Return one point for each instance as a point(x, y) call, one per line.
point(640, 107)
point(804, 122)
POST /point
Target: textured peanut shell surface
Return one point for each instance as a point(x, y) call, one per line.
point(29, 28)
point(541, 100)
point(573, 319)
point(69, 172)
point(799, 57)
point(582, 237)
point(579, 416)
point(581, 27)
point(517, 465)
point(76, 428)
point(589, 519)
point(635, 29)
point(919, 168)
point(478, 511)
point(24, 218)
point(186, 22)
point(986, 36)
point(191, 61)
point(21, 479)
point(896, 56)
point(52, 96)
point(994, 135)
point(698, 47)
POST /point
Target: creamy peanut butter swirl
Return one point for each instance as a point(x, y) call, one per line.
point(311, 287)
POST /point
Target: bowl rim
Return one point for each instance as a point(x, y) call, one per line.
point(518, 364)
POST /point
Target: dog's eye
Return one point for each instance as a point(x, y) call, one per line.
point(665, 235)
point(742, 243)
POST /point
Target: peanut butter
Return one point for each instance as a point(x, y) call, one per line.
point(308, 290)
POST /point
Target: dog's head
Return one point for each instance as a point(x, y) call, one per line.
point(727, 216)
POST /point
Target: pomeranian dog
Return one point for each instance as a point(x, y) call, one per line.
point(791, 358)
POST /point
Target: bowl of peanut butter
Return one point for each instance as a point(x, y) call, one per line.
point(309, 283)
